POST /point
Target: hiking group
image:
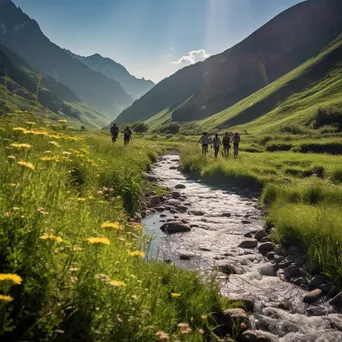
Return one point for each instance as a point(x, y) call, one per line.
point(216, 142)
point(114, 131)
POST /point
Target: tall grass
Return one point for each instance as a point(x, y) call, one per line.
point(71, 261)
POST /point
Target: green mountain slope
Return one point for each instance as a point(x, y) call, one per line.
point(19, 85)
point(292, 100)
point(208, 87)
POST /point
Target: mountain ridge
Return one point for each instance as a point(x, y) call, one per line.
point(205, 88)
point(22, 35)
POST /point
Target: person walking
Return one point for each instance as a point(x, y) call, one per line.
point(114, 130)
point(217, 144)
point(226, 145)
point(236, 142)
point(127, 135)
point(205, 141)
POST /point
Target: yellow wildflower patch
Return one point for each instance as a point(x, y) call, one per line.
point(5, 299)
point(46, 158)
point(81, 199)
point(137, 253)
point(51, 237)
point(175, 294)
point(114, 225)
point(103, 241)
point(14, 278)
point(18, 129)
point(26, 164)
point(117, 283)
point(21, 145)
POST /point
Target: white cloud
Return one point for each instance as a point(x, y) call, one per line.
point(193, 57)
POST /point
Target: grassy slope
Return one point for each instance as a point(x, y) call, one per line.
point(305, 208)
point(72, 289)
point(276, 105)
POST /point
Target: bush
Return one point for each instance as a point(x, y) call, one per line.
point(328, 116)
point(171, 128)
point(278, 147)
point(336, 175)
point(140, 127)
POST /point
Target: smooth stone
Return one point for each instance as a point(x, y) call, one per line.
point(234, 318)
point(326, 288)
point(175, 194)
point(313, 296)
point(293, 272)
point(182, 208)
point(172, 211)
point(173, 168)
point(264, 239)
point(193, 225)
point(226, 214)
point(301, 260)
point(204, 249)
point(162, 215)
point(184, 257)
point(197, 212)
point(293, 250)
point(248, 335)
point(160, 209)
point(299, 281)
point(245, 222)
point(149, 177)
point(251, 243)
point(333, 292)
point(175, 227)
point(278, 259)
point(225, 267)
point(284, 264)
point(154, 200)
point(248, 235)
point(267, 270)
point(260, 234)
point(266, 247)
point(180, 186)
point(337, 300)
point(317, 280)
point(270, 255)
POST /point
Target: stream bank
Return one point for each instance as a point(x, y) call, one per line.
point(212, 226)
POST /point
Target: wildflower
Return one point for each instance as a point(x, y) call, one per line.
point(30, 123)
point(54, 143)
point(185, 329)
point(14, 278)
point(18, 129)
point(11, 157)
point(51, 237)
point(137, 253)
point(201, 331)
point(66, 153)
point(117, 283)
point(102, 277)
point(45, 158)
point(76, 248)
point(74, 269)
point(114, 225)
point(5, 299)
point(21, 145)
point(119, 318)
point(204, 317)
point(103, 241)
point(81, 199)
point(163, 336)
point(175, 295)
point(62, 121)
point(90, 197)
point(26, 164)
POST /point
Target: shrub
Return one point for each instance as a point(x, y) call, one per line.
point(336, 175)
point(278, 147)
point(171, 128)
point(140, 127)
point(328, 116)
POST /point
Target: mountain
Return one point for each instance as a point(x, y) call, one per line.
point(292, 100)
point(22, 35)
point(23, 88)
point(203, 89)
point(135, 87)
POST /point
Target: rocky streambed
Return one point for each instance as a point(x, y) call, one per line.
point(220, 232)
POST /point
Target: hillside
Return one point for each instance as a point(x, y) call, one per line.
point(291, 101)
point(135, 87)
point(19, 85)
point(208, 87)
point(23, 36)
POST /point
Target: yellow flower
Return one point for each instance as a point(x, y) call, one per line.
point(14, 278)
point(54, 143)
point(62, 121)
point(81, 199)
point(21, 145)
point(51, 237)
point(114, 225)
point(26, 164)
point(5, 299)
point(91, 197)
point(204, 317)
point(117, 283)
point(49, 158)
point(103, 241)
point(76, 248)
point(30, 123)
point(175, 294)
point(11, 157)
point(137, 253)
point(18, 129)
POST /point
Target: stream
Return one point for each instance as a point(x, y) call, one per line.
point(219, 218)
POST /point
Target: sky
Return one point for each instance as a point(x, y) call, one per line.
point(151, 38)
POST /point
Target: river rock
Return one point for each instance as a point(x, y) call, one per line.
point(260, 234)
point(326, 287)
point(182, 208)
point(293, 272)
point(173, 168)
point(233, 318)
point(248, 335)
point(337, 300)
point(226, 214)
point(173, 211)
point(175, 194)
point(284, 264)
point(293, 250)
point(250, 243)
point(175, 227)
point(197, 212)
point(149, 177)
point(248, 235)
point(154, 200)
point(264, 239)
point(333, 292)
point(266, 247)
point(225, 267)
point(317, 280)
point(299, 281)
point(160, 209)
point(313, 296)
point(267, 270)
point(301, 260)
point(278, 259)
point(270, 255)
point(180, 186)
point(184, 257)
point(245, 222)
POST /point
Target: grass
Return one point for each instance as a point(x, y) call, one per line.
point(301, 192)
point(66, 233)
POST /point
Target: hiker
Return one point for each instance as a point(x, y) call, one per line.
point(114, 130)
point(127, 135)
point(217, 144)
point(236, 141)
point(226, 145)
point(205, 140)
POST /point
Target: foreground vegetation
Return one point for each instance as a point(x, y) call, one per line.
point(72, 261)
point(301, 192)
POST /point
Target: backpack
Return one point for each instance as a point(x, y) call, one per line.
point(236, 139)
point(226, 140)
